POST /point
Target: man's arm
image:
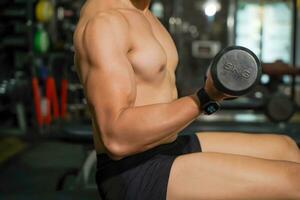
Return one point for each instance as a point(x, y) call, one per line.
point(111, 91)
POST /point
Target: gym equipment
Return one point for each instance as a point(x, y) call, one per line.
point(235, 70)
point(279, 107)
point(20, 37)
point(14, 89)
point(15, 41)
point(260, 92)
point(17, 26)
point(51, 96)
point(41, 40)
point(14, 35)
point(44, 11)
point(83, 177)
point(63, 97)
point(14, 27)
point(37, 100)
point(16, 12)
point(278, 69)
point(52, 101)
point(63, 13)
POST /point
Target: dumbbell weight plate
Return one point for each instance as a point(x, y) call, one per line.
point(44, 11)
point(279, 108)
point(235, 70)
point(260, 92)
point(41, 41)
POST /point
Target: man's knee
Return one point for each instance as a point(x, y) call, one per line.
point(289, 148)
point(291, 142)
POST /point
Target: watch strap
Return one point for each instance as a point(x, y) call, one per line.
point(208, 106)
point(203, 97)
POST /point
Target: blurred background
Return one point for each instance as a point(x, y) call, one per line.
point(45, 130)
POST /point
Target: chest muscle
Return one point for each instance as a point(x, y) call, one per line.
point(153, 52)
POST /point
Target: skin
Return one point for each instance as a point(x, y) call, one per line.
point(126, 61)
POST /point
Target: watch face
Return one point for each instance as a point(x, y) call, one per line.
point(211, 108)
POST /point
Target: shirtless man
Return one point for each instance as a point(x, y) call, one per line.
point(126, 62)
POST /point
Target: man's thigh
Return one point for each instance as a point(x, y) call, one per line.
point(226, 176)
point(267, 146)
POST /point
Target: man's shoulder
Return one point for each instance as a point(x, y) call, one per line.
point(107, 20)
point(104, 27)
point(116, 18)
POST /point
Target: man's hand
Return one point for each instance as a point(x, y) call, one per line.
point(213, 92)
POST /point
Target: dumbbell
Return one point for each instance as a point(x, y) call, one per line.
point(41, 41)
point(235, 71)
point(279, 107)
point(44, 11)
point(278, 69)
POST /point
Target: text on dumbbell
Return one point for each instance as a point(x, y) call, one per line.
point(238, 71)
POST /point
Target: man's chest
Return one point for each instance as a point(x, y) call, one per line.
point(153, 50)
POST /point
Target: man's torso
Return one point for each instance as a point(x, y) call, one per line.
point(153, 56)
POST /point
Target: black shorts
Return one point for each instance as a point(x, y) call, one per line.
point(142, 176)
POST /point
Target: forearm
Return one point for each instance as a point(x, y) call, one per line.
point(142, 128)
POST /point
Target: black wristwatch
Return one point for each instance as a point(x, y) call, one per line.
point(208, 105)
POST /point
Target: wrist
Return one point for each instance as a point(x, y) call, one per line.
point(206, 103)
point(195, 98)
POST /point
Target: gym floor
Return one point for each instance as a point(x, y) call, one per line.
point(33, 172)
point(32, 167)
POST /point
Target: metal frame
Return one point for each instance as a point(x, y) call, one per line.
point(294, 48)
point(231, 19)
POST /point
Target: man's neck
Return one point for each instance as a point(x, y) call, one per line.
point(140, 4)
point(94, 5)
